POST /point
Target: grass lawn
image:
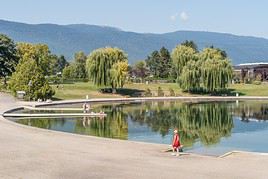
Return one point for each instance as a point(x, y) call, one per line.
point(79, 90)
point(250, 89)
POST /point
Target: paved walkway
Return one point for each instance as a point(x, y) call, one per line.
point(27, 152)
point(6, 102)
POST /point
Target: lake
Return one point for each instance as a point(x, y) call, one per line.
point(210, 128)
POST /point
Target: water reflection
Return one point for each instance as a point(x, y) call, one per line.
point(113, 126)
point(206, 123)
point(252, 111)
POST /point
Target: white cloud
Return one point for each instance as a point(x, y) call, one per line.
point(184, 16)
point(174, 17)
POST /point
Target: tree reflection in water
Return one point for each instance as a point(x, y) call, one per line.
point(257, 110)
point(206, 122)
point(45, 123)
point(113, 126)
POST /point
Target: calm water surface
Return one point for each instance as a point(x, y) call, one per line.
point(211, 128)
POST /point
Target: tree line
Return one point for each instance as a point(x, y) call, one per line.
point(208, 70)
point(30, 66)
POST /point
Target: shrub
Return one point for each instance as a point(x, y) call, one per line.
point(171, 92)
point(148, 93)
point(106, 90)
point(160, 92)
point(257, 82)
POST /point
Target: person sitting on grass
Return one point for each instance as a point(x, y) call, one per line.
point(176, 145)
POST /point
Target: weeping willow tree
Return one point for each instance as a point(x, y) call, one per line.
point(119, 73)
point(213, 53)
point(180, 56)
point(209, 71)
point(100, 63)
point(216, 70)
point(190, 77)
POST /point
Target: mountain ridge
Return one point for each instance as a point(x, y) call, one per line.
point(68, 39)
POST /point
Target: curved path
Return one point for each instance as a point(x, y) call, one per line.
point(27, 152)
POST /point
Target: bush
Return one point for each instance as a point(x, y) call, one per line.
point(256, 82)
point(160, 92)
point(148, 93)
point(171, 92)
point(106, 90)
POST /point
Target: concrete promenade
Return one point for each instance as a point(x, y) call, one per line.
point(27, 152)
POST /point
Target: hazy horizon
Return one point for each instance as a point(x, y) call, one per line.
point(119, 28)
point(239, 17)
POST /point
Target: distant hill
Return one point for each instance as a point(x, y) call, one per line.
point(68, 39)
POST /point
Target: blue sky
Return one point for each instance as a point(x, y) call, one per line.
point(242, 17)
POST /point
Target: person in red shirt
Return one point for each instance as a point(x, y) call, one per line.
point(176, 143)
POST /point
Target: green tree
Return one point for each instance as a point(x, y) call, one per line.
point(77, 69)
point(152, 62)
point(213, 53)
point(139, 70)
point(119, 73)
point(80, 57)
point(38, 52)
point(180, 56)
point(29, 77)
point(220, 51)
point(159, 63)
point(101, 61)
point(216, 70)
point(165, 63)
point(57, 64)
point(62, 63)
point(68, 72)
point(8, 57)
point(190, 44)
point(80, 65)
point(190, 79)
point(53, 65)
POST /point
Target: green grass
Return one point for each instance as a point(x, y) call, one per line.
point(79, 90)
point(250, 89)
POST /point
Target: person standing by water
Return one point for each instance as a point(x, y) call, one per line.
point(176, 143)
point(85, 107)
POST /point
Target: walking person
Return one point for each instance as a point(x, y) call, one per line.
point(176, 143)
